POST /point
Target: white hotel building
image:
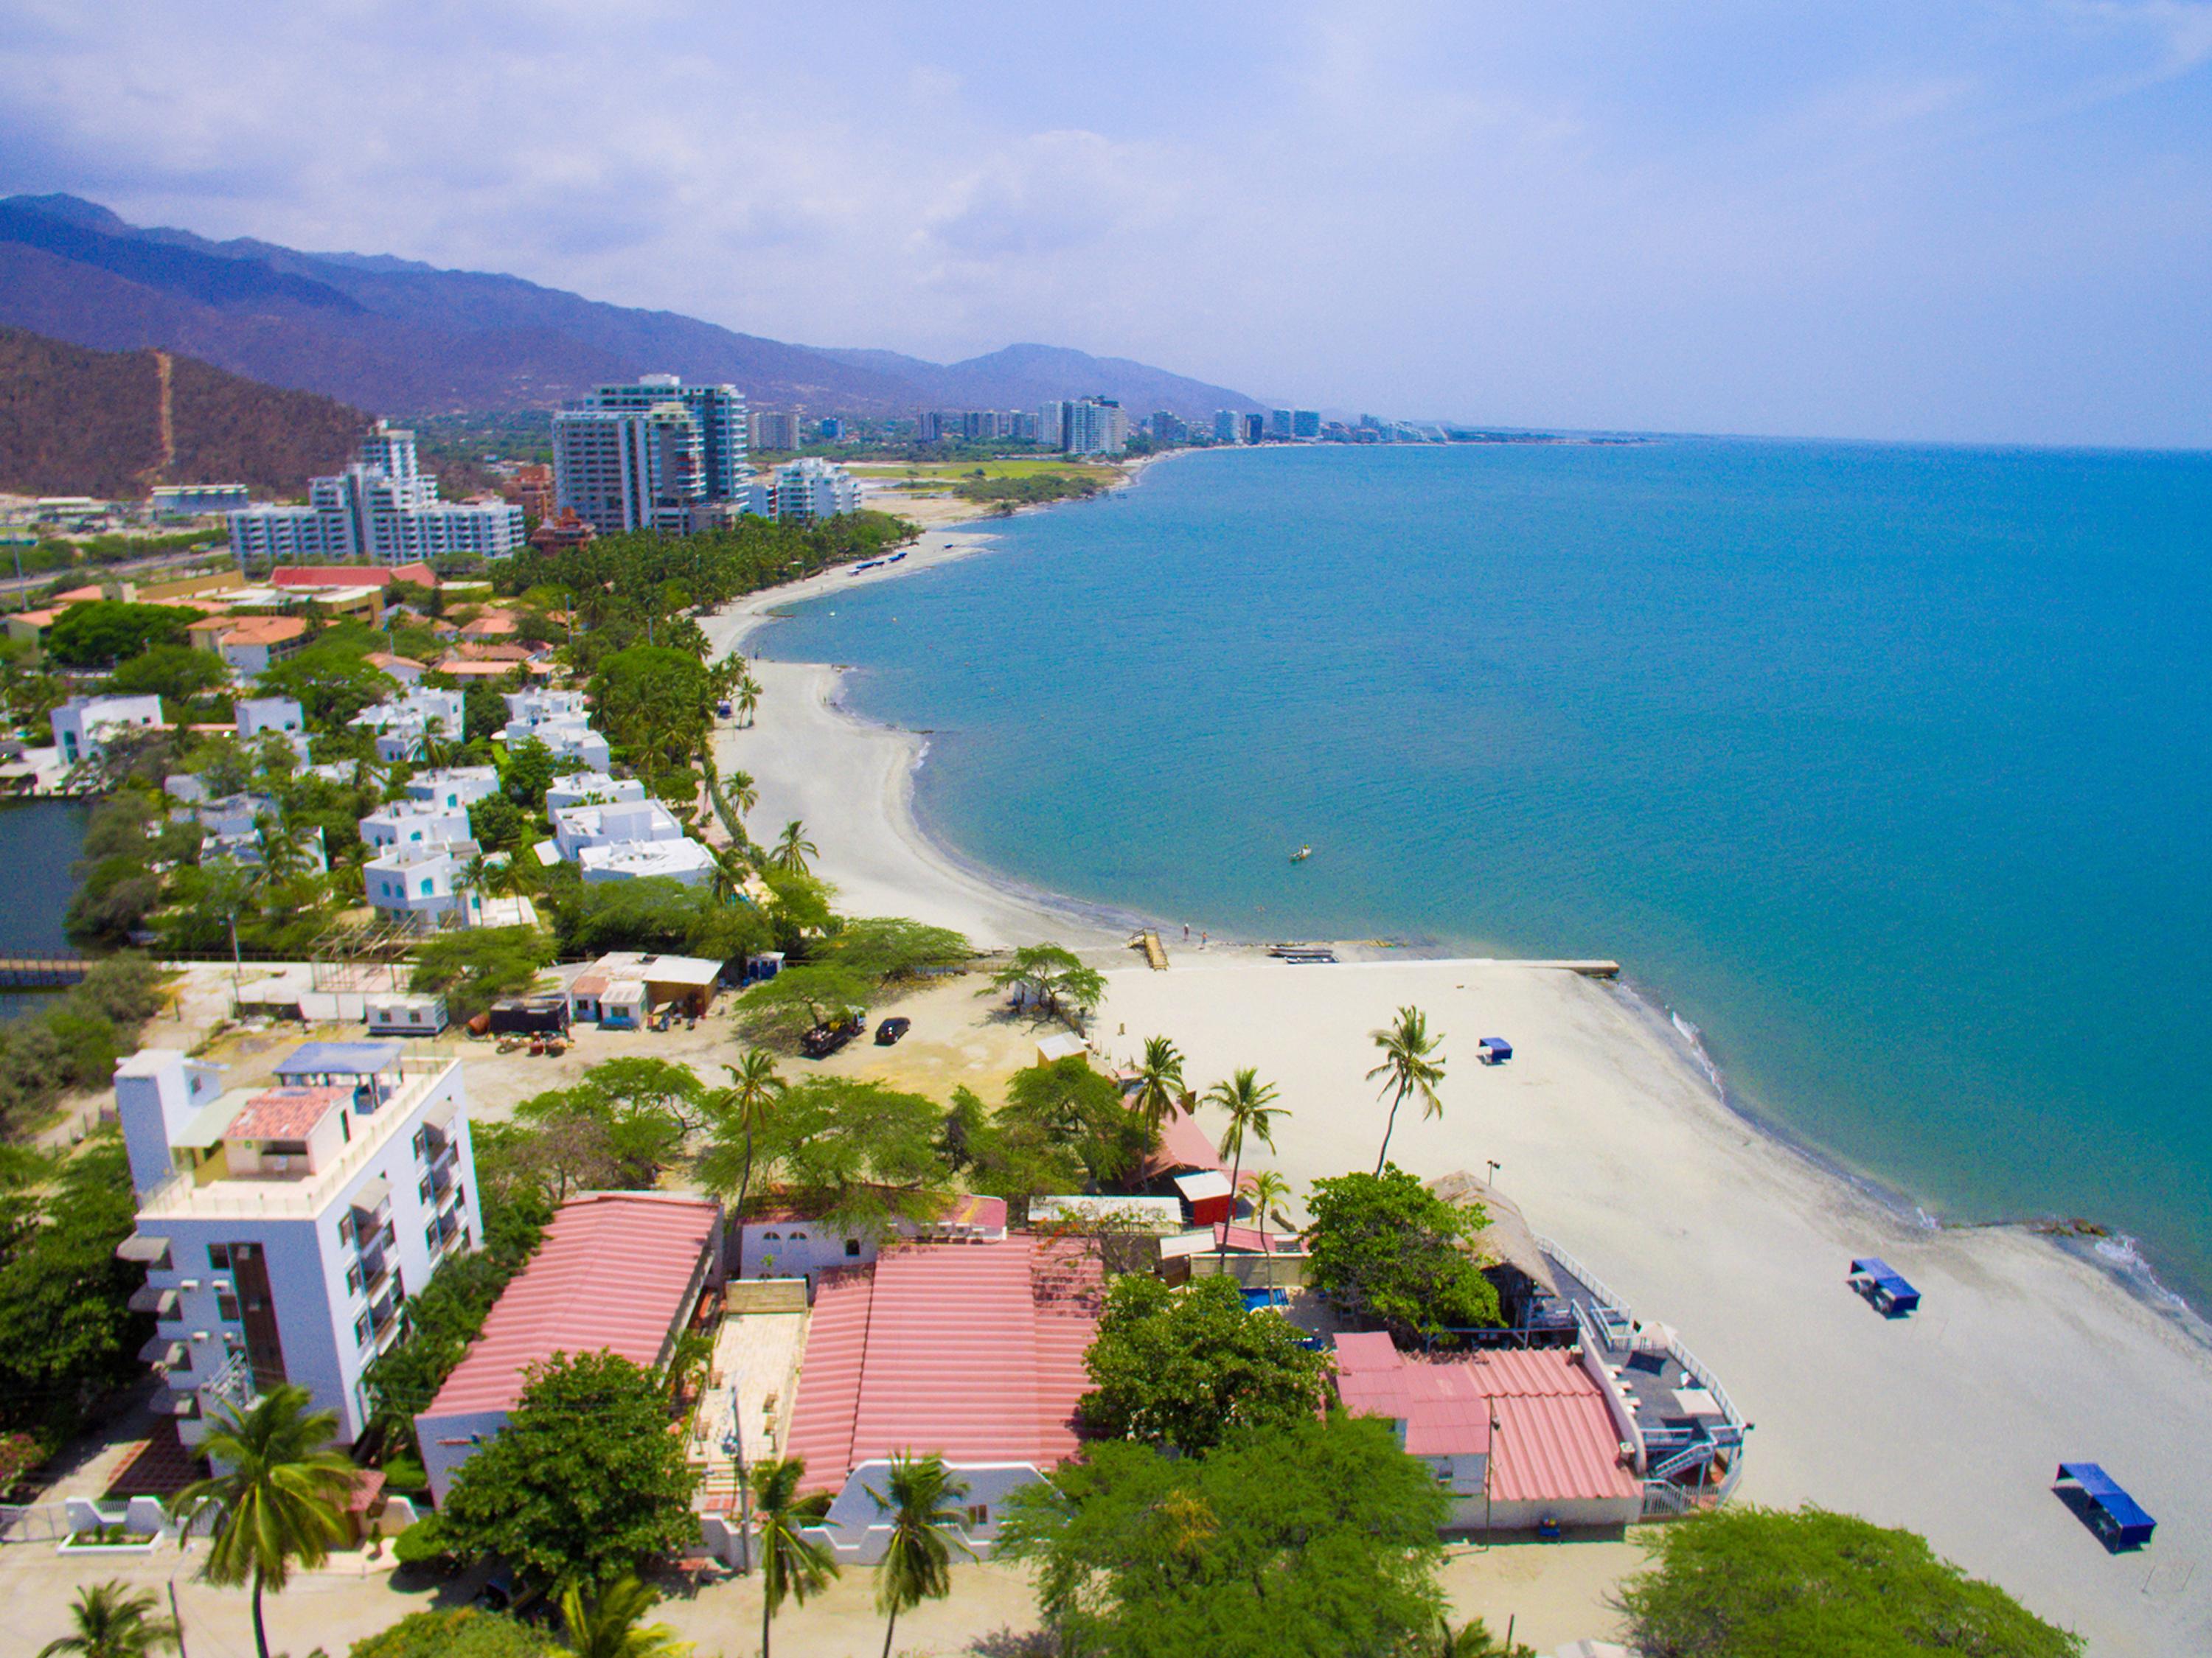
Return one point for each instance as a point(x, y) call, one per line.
point(284, 1228)
point(652, 454)
point(383, 508)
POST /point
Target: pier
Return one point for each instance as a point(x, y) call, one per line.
point(1156, 953)
point(40, 972)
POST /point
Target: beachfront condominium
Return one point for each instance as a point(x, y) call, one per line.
point(650, 454)
point(804, 491)
point(1094, 426)
point(1255, 429)
point(1228, 426)
point(383, 508)
point(1305, 423)
point(283, 1228)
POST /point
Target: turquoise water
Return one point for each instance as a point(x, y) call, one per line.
point(39, 842)
point(1886, 767)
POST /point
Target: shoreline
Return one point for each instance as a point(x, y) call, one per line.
point(2115, 1251)
point(1627, 1140)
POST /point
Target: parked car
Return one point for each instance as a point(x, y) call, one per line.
point(824, 1040)
point(891, 1030)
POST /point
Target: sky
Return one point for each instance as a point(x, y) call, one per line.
point(1948, 220)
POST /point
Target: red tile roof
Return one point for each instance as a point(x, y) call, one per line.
point(1555, 1437)
point(284, 1114)
point(350, 575)
point(614, 1273)
point(974, 1350)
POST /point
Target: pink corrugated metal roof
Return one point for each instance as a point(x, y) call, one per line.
point(1555, 1437)
point(974, 1350)
point(613, 1272)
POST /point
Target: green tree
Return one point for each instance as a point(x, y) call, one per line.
point(858, 1155)
point(114, 1622)
point(1009, 1157)
point(1248, 1102)
point(281, 1499)
point(585, 1485)
point(531, 769)
point(176, 673)
point(463, 1632)
point(799, 998)
point(923, 1502)
point(609, 1625)
point(1050, 977)
point(1184, 1370)
point(333, 678)
point(1473, 1639)
point(67, 1334)
point(1411, 1065)
point(1159, 1084)
point(654, 702)
point(497, 824)
point(1387, 1251)
point(1310, 1540)
point(657, 916)
point(793, 850)
point(1079, 1111)
point(1748, 1582)
point(889, 948)
point(106, 631)
point(474, 967)
point(792, 1565)
point(483, 713)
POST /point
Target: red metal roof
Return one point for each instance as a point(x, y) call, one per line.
point(614, 1273)
point(284, 1114)
point(1183, 1145)
point(974, 1350)
point(1555, 1437)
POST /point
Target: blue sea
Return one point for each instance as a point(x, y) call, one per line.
point(40, 839)
point(1888, 768)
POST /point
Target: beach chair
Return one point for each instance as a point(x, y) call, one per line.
point(2103, 1506)
point(1883, 1286)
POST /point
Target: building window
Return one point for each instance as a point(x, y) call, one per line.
point(430, 1237)
point(345, 1229)
point(226, 1307)
point(362, 1329)
point(852, 1246)
point(422, 1143)
point(979, 1514)
point(219, 1257)
point(353, 1279)
point(423, 1188)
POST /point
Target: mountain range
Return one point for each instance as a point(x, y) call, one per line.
point(401, 337)
point(114, 423)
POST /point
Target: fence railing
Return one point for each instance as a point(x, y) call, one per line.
point(33, 1523)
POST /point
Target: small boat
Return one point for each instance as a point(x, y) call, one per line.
point(1302, 854)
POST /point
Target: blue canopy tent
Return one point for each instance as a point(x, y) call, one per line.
point(1883, 1285)
point(2115, 1516)
point(1494, 1050)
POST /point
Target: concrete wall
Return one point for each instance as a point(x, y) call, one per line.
point(1576, 1513)
point(858, 1529)
point(449, 1440)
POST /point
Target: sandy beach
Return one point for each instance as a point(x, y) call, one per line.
point(1619, 1146)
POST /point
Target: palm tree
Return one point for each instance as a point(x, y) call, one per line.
point(749, 697)
point(792, 1565)
point(741, 1111)
point(1269, 1191)
point(114, 1622)
point(741, 791)
point(793, 849)
point(281, 1501)
point(924, 1505)
point(1411, 1065)
point(1246, 1099)
point(1473, 1639)
point(607, 1627)
point(1159, 1084)
point(731, 869)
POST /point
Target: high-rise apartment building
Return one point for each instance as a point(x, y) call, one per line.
point(1305, 423)
point(1227, 426)
point(650, 454)
point(1255, 428)
point(1167, 426)
point(1279, 424)
point(778, 428)
point(383, 508)
point(805, 491)
point(1094, 426)
point(1052, 425)
point(284, 1228)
